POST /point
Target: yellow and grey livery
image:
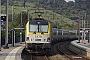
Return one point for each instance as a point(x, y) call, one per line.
point(38, 34)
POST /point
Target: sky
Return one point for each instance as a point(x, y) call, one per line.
point(70, 0)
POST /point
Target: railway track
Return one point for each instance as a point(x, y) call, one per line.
point(35, 57)
point(59, 51)
point(63, 47)
point(26, 55)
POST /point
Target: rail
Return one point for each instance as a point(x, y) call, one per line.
point(63, 47)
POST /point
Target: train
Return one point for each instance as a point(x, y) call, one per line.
point(63, 35)
point(38, 35)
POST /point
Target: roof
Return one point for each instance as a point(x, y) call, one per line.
point(39, 21)
point(2, 14)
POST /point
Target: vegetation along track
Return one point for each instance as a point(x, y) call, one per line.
point(32, 56)
point(63, 47)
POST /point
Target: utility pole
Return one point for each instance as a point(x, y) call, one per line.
point(0, 25)
point(84, 28)
point(21, 29)
point(12, 28)
point(6, 39)
point(79, 28)
point(28, 13)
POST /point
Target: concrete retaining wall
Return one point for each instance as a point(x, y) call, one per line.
point(77, 48)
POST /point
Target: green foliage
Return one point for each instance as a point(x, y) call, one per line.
point(60, 12)
point(24, 19)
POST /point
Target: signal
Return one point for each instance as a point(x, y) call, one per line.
point(2, 22)
point(3, 18)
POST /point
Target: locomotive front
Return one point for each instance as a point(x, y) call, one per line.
point(38, 35)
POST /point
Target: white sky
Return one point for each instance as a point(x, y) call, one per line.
point(70, 0)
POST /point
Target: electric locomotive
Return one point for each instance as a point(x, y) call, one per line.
point(38, 35)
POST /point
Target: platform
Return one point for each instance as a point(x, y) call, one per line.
point(82, 47)
point(13, 53)
point(84, 43)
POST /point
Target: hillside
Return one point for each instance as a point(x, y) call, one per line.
point(54, 10)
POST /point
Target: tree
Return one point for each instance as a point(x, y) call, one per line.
point(24, 19)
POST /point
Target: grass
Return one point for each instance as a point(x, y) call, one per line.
point(48, 14)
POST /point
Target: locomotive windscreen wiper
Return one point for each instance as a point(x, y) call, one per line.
point(35, 30)
point(39, 30)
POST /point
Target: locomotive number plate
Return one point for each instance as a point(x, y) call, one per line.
point(37, 36)
point(37, 39)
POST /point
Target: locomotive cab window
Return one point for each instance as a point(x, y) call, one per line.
point(38, 26)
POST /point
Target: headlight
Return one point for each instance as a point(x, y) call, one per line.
point(48, 39)
point(27, 38)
